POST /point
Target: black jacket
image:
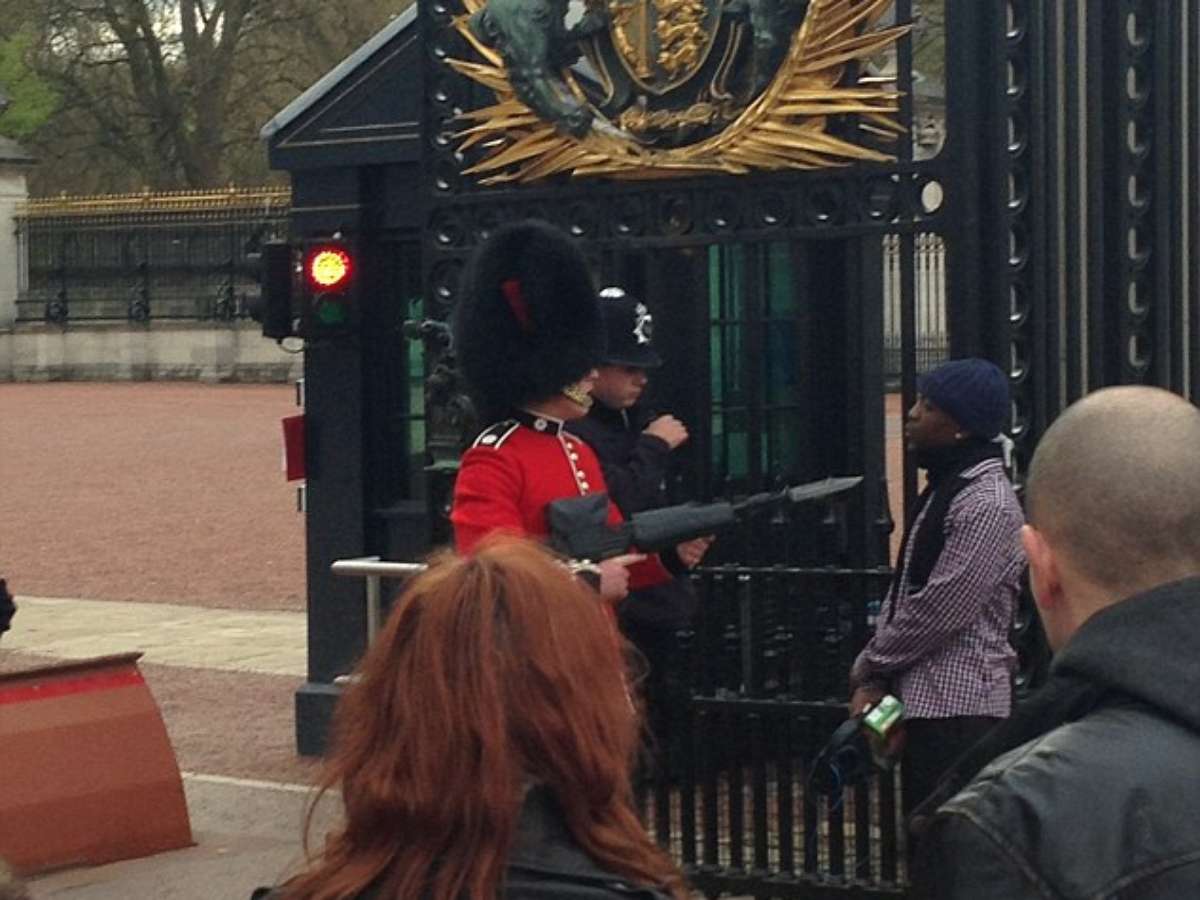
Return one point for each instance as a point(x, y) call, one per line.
point(1104, 801)
point(546, 863)
point(635, 468)
point(7, 607)
point(635, 463)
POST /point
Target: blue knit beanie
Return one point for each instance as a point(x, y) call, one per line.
point(974, 392)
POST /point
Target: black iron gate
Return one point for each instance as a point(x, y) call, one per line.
point(1093, 175)
point(732, 796)
point(769, 294)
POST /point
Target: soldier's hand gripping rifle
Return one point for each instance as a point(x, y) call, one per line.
point(579, 525)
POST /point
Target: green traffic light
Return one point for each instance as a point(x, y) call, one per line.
point(330, 311)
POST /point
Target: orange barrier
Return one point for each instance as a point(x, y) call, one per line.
point(89, 773)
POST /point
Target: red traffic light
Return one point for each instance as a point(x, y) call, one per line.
point(328, 268)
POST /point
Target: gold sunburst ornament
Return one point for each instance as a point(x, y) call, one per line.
point(672, 87)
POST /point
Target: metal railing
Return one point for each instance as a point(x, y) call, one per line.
point(145, 257)
point(761, 686)
point(929, 297)
point(374, 571)
point(757, 691)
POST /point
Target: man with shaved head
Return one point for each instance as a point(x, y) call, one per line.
point(1092, 789)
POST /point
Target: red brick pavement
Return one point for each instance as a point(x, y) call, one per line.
point(164, 492)
point(153, 492)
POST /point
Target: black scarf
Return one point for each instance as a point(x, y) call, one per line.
point(945, 466)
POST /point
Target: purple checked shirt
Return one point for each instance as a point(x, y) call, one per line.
point(944, 649)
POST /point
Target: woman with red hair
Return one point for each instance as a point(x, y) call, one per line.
point(484, 749)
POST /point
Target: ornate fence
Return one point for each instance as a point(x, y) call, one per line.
point(140, 257)
point(193, 256)
point(762, 689)
point(931, 332)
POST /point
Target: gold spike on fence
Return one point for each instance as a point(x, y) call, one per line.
point(233, 198)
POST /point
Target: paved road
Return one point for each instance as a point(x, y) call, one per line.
point(269, 643)
point(152, 492)
point(223, 680)
point(246, 836)
point(169, 496)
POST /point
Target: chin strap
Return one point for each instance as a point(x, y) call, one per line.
point(576, 394)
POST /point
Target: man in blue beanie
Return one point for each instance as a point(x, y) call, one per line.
point(941, 643)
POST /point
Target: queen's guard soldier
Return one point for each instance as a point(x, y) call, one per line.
point(528, 335)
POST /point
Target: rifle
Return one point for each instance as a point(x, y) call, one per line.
point(579, 525)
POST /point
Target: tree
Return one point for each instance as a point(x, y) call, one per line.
point(929, 39)
point(170, 94)
point(31, 100)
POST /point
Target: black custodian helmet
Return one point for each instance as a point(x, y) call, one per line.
point(528, 323)
point(628, 330)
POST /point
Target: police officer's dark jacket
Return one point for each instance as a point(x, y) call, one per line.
point(1104, 801)
point(635, 463)
point(635, 466)
point(546, 863)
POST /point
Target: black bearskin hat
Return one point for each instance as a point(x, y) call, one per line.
point(528, 323)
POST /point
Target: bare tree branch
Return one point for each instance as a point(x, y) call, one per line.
point(171, 93)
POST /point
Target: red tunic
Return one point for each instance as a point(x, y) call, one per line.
point(513, 470)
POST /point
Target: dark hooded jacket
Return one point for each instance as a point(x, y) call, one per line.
point(1096, 791)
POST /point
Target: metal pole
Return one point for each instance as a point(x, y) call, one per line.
point(374, 570)
point(746, 617)
point(373, 611)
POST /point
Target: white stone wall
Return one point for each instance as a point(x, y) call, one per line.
point(13, 191)
point(119, 351)
point(153, 352)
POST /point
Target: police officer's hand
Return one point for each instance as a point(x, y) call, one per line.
point(691, 552)
point(669, 429)
point(614, 576)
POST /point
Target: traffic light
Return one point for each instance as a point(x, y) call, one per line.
point(273, 307)
point(330, 278)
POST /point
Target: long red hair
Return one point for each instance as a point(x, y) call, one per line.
point(493, 672)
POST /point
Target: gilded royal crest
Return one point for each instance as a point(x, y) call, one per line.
point(662, 43)
point(653, 88)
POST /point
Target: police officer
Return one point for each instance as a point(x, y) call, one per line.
point(634, 447)
point(528, 335)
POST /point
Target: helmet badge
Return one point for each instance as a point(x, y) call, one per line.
point(643, 328)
